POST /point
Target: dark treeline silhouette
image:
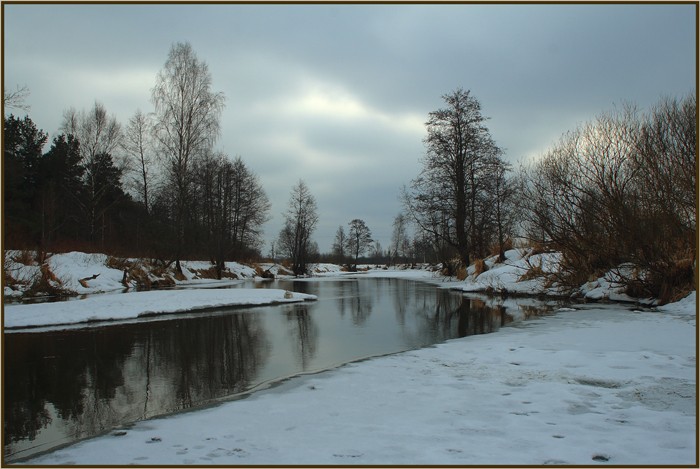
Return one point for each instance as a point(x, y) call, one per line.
point(56, 201)
point(156, 188)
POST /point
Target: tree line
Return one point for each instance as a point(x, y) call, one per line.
point(153, 188)
point(619, 190)
point(617, 193)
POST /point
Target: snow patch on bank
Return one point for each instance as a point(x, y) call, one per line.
point(98, 277)
point(113, 307)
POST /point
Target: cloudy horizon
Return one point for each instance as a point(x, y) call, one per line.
point(337, 95)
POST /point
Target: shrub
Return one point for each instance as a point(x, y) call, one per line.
point(24, 257)
point(48, 284)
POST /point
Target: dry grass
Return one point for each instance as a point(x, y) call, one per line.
point(535, 271)
point(119, 263)
point(48, 284)
point(25, 257)
point(461, 273)
point(480, 267)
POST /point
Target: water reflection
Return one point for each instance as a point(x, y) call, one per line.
point(305, 333)
point(66, 385)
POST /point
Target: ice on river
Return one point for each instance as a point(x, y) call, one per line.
point(594, 384)
point(121, 306)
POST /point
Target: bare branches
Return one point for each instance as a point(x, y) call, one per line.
point(16, 99)
point(620, 189)
point(300, 222)
point(187, 114)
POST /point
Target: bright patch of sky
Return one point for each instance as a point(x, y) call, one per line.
point(337, 95)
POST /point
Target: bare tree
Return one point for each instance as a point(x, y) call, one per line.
point(445, 198)
point(232, 206)
point(359, 239)
point(187, 114)
point(16, 99)
point(300, 222)
point(100, 135)
point(339, 244)
point(502, 191)
point(399, 238)
point(138, 146)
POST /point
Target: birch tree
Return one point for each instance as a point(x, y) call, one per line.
point(100, 135)
point(138, 146)
point(187, 114)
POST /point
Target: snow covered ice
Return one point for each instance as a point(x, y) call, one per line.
point(123, 306)
point(594, 384)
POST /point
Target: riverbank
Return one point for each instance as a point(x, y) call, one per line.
point(594, 384)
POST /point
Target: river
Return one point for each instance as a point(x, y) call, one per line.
point(65, 385)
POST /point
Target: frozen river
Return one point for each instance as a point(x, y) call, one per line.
point(62, 386)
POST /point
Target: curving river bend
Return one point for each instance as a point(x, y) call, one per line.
point(63, 386)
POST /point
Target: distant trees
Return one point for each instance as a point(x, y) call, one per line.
point(232, 207)
point(301, 218)
point(16, 99)
point(68, 193)
point(187, 114)
point(359, 239)
point(452, 200)
point(339, 243)
point(400, 244)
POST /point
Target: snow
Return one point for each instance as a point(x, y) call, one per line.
point(588, 385)
point(70, 267)
point(508, 275)
point(111, 307)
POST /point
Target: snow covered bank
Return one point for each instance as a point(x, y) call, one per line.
point(526, 273)
point(599, 384)
point(111, 307)
point(100, 274)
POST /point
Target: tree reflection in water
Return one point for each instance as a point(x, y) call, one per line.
point(83, 382)
point(305, 333)
point(97, 379)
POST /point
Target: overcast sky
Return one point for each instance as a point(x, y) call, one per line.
point(337, 95)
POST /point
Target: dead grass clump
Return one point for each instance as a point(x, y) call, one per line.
point(537, 248)
point(535, 271)
point(140, 276)
point(461, 273)
point(25, 257)
point(119, 263)
point(674, 282)
point(48, 284)
point(479, 267)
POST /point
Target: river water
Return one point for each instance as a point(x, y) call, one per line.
point(62, 386)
